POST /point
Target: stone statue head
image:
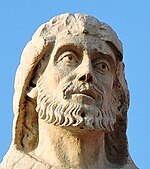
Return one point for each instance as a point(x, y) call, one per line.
point(71, 74)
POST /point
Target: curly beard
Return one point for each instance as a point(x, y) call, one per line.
point(56, 111)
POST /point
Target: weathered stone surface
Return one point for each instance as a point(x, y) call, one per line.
point(71, 99)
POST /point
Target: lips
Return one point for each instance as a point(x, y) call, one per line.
point(88, 93)
point(84, 96)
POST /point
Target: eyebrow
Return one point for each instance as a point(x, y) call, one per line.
point(117, 53)
point(79, 51)
point(95, 54)
point(70, 46)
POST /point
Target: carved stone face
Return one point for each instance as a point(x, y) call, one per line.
point(77, 83)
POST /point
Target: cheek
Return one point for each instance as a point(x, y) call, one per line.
point(105, 83)
point(108, 83)
point(61, 71)
point(64, 73)
point(51, 79)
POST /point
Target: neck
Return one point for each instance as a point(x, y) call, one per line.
point(75, 148)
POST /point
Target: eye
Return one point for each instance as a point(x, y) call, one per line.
point(68, 57)
point(101, 67)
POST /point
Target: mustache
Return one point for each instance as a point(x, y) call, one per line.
point(85, 88)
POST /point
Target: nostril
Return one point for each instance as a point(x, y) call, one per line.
point(90, 79)
point(82, 78)
point(86, 78)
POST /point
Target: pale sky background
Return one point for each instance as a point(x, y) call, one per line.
point(129, 18)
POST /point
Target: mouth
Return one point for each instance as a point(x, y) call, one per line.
point(84, 96)
point(88, 93)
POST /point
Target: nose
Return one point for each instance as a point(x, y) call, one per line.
point(86, 77)
point(85, 73)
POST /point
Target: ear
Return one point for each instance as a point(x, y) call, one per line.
point(124, 85)
point(120, 72)
point(33, 93)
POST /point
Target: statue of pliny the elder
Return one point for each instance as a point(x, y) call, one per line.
point(71, 99)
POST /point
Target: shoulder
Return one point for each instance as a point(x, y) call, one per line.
point(16, 159)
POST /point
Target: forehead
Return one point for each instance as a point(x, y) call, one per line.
point(82, 43)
